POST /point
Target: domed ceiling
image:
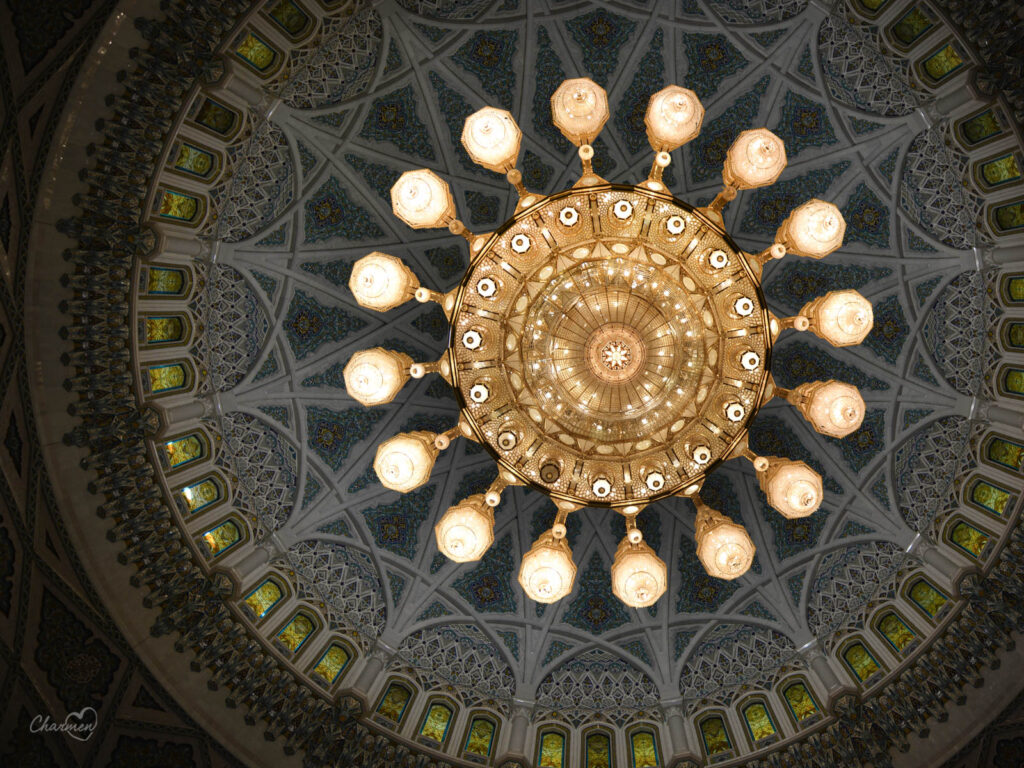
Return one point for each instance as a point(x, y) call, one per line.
point(268, 238)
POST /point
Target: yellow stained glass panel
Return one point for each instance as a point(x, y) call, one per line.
point(200, 495)
point(332, 663)
point(913, 24)
point(759, 722)
point(165, 281)
point(645, 751)
point(289, 17)
point(435, 725)
point(552, 751)
point(1015, 288)
point(873, 5)
point(165, 377)
point(969, 539)
point(183, 450)
point(392, 706)
point(161, 330)
point(980, 127)
point(991, 498)
point(929, 599)
point(943, 63)
point(174, 205)
point(860, 661)
point(896, 632)
point(716, 738)
point(296, 632)
point(1013, 381)
point(194, 160)
point(222, 537)
point(800, 701)
point(1006, 453)
point(263, 598)
point(599, 751)
point(1010, 216)
point(216, 117)
point(481, 734)
point(1001, 170)
point(256, 52)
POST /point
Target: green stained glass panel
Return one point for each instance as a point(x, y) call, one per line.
point(1013, 381)
point(216, 117)
point(1010, 216)
point(183, 450)
point(263, 598)
point(296, 632)
point(163, 330)
point(200, 495)
point(860, 661)
point(1015, 289)
point(393, 705)
point(163, 378)
point(896, 631)
point(435, 724)
point(253, 50)
point(800, 701)
point(643, 750)
point(990, 497)
point(873, 5)
point(289, 17)
point(194, 161)
point(912, 25)
point(551, 753)
point(332, 663)
point(165, 282)
point(969, 539)
point(1015, 334)
point(980, 127)
point(481, 735)
point(943, 63)
point(223, 537)
point(759, 722)
point(1006, 453)
point(927, 598)
point(599, 751)
point(715, 736)
point(179, 207)
point(1001, 170)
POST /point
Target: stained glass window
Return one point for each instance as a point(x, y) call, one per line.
point(759, 721)
point(296, 632)
point(860, 661)
point(194, 160)
point(163, 330)
point(183, 450)
point(990, 497)
point(1001, 170)
point(222, 538)
point(927, 597)
point(1005, 452)
point(255, 51)
point(164, 378)
point(201, 495)
point(436, 723)
point(393, 702)
point(262, 599)
point(980, 127)
point(1010, 216)
point(1013, 289)
point(969, 539)
point(162, 281)
point(874, 6)
point(332, 663)
point(943, 63)
point(643, 750)
point(177, 206)
point(715, 736)
point(288, 16)
point(551, 750)
point(800, 701)
point(1013, 381)
point(912, 25)
point(598, 750)
point(216, 117)
point(480, 737)
point(896, 632)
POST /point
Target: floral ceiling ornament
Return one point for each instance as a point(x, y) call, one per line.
point(609, 344)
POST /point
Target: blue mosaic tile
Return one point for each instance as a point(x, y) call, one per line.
point(853, 528)
point(699, 592)
point(395, 526)
point(266, 282)
point(771, 436)
point(867, 218)
point(539, 609)
point(708, 150)
point(719, 493)
point(803, 123)
point(488, 587)
point(333, 120)
point(331, 434)
point(511, 641)
point(712, 58)
point(924, 289)
point(269, 368)
point(306, 158)
point(439, 562)
point(791, 537)
point(490, 56)
point(439, 389)
point(632, 108)
point(277, 237)
point(455, 109)
point(336, 272)
point(433, 34)
point(309, 324)
point(681, 640)
point(691, 7)
point(806, 65)
point(310, 491)
point(397, 584)
point(471, 448)
point(365, 480)
point(595, 609)
point(393, 60)
point(924, 373)
point(652, 611)
point(913, 415)
point(555, 649)
point(757, 610)
point(795, 362)
point(278, 413)
point(880, 490)
point(332, 377)
point(336, 528)
point(768, 206)
point(476, 481)
point(392, 118)
point(639, 650)
point(549, 75)
point(483, 209)
point(918, 243)
point(798, 281)
point(888, 166)
point(601, 36)
point(536, 173)
point(330, 213)
point(768, 39)
point(796, 587)
point(859, 448)
point(862, 127)
point(432, 322)
point(890, 332)
point(604, 160)
point(434, 611)
point(427, 422)
point(380, 177)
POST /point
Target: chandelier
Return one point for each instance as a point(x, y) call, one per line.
point(609, 345)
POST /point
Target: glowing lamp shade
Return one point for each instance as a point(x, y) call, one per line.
point(422, 199)
point(755, 159)
point(639, 577)
point(404, 462)
point(793, 489)
point(466, 530)
point(547, 571)
point(832, 407)
point(382, 282)
point(374, 376)
point(579, 108)
point(674, 116)
point(724, 548)
point(491, 137)
point(842, 318)
point(814, 229)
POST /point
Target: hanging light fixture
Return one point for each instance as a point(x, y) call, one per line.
point(609, 344)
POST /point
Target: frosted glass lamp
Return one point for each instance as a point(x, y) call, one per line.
point(547, 571)
point(755, 159)
point(814, 229)
point(422, 199)
point(724, 548)
point(832, 407)
point(793, 489)
point(491, 137)
point(842, 318)
point(639, 576)
point(404, 462)
point(466, 531)
point(382, 282)
point(579, 109)
point(375, 376)
point(674, 116)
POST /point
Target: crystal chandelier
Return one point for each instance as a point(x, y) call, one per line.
point(609, 345)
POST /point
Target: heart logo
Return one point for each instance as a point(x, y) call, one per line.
point(81, 724)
